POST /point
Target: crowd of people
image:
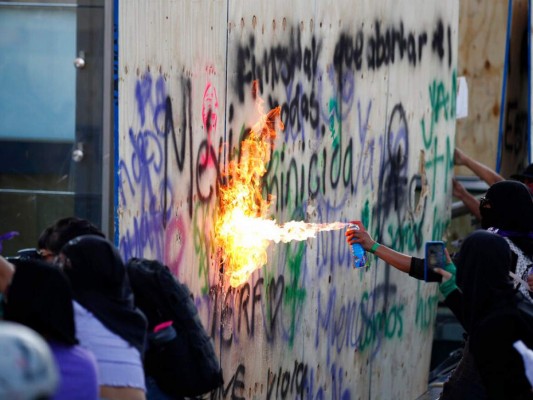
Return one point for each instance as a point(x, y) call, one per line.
point(70, 328)
point(488, 286)
point(76, 295)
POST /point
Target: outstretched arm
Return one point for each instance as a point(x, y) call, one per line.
point(398, 260)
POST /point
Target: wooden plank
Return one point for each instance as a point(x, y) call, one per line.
point(482, 33)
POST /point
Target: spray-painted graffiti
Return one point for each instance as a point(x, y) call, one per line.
point(285, 382)
point(159, 149)
point(345, 153)
point(296, 382)
point(385, 45)
point(358, 324)
point(141, 171)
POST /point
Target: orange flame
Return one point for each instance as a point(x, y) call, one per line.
point(242, 229)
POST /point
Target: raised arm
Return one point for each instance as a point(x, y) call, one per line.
point(469, 200)
point(481, 170)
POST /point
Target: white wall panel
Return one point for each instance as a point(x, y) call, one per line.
point(360, 127)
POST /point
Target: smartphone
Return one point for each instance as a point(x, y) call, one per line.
point(435, 258)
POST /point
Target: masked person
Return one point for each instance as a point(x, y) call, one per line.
point(526, 177)
point(107, 322)
point(492, 316)
point(39, 296)
point(55, 236)
point(506, 209)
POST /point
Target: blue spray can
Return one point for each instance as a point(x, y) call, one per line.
point(358, 253)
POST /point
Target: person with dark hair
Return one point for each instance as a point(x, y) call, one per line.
point(526, 177)
point(486, 174)
point(107, 322)
point(39, 296)
point(55, 236)
point(507, 209)
point(491, 315)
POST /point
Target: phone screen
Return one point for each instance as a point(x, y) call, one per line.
point(435, 258)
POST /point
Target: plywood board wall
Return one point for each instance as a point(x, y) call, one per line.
point(495, 132)
point(367, 94)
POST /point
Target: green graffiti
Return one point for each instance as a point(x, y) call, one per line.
point(336, 135)
point(433, 164)
point(405, 237)
point(446, 160)
point(426, 309)
point(440, 101)
point(439, 104)
point(443, 104)
point(295, 293)
point(332, 108)
point(365, 215)
point(453, 99)
point(202, 244)
point(387, 323)
point(270, 182)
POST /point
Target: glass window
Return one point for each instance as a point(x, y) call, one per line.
point(38, 80)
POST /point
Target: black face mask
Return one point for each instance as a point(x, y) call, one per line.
point(508, 206)
point(100, 284)
point(488, 219)
point(40, 297)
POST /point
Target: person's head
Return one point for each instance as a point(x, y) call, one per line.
point(508, 206)
point(100, 284)
point(54, 237)
point(27, 368)
point(526, 177)
point(40, 297)
point(483, 266)
point(93, 264)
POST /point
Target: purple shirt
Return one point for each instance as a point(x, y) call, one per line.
point(77, 370)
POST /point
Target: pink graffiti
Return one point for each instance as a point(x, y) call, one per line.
point(209, 119)
point(175, 243)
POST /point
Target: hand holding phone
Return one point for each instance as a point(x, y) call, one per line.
point(435, 257)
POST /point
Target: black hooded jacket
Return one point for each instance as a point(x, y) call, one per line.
point(100, 284)
point(40, 297)
point(491, 315)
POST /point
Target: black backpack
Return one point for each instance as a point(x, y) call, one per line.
point(179, 357)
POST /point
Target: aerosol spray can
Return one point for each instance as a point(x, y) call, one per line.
point(358, 253)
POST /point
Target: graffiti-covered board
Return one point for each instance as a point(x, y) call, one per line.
point(364, 94)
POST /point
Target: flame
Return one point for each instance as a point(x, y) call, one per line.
point(242, 230)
